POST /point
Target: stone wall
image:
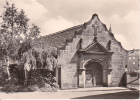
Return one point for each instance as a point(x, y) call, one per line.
point(119, 57)
point(133, 79)
point(68, 58)
point(101, 59)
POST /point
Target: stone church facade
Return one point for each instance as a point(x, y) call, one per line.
point(89, 55)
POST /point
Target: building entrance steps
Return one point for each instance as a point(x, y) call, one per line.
point(95, 89)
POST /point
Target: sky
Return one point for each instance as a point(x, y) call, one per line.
point(56, 15)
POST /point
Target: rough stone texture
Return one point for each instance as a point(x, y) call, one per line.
point(119, 57)
point(68, 57)
point(70, 41)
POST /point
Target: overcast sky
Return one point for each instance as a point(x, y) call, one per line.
point(55, 15)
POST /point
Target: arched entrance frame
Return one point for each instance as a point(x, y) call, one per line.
point(104, 66)
point(95, 60)
point(106, 72)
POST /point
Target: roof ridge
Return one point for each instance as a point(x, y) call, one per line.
point(134, 50)
point(77, 26)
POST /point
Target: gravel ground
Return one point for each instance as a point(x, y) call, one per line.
point(87, 93)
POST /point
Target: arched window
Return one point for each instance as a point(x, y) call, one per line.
point(108, 46)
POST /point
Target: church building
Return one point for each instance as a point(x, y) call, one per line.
point(88, 55)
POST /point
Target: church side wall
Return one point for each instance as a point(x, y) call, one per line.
point(119, 61)
point(68, 60)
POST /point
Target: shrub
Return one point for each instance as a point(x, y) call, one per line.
point(37, 82)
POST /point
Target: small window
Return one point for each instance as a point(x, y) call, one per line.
point(129, 57)
point(133, 62)
point(133, 74)
point(133, 57)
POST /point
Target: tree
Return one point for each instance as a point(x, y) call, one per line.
point(14, 22)
point(15, 33)
point(34, 32)
point(16, 37)
point(15, 30)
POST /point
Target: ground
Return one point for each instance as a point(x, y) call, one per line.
point(86, 93)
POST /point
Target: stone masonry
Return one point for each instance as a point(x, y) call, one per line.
point(85, 44)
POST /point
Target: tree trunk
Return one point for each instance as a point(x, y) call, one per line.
point(8, 73)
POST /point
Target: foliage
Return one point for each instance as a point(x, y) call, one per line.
point(3, 78)
point(16, 43)
point(40, 59)
point(38, 82)
point(15, 30)
point(34, 32)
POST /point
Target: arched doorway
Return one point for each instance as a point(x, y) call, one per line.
point(93, 74)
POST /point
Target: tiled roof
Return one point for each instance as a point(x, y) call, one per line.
point(59, 39)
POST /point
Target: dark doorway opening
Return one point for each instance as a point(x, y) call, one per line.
point(58, 76)
point(94, 74)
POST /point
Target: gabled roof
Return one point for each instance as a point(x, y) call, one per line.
point(94, 47)
point(59, 39)
point(97, 47)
